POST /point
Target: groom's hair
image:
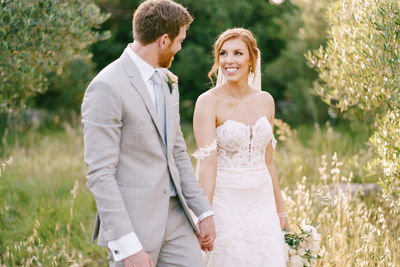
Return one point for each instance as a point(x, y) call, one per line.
point(154, 18)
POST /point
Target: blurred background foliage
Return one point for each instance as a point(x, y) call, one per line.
point(284, 33)
point(194, 61)
point(40, 43)
point(359, 69)
point(288, 77)
point(53, 49)
point(333, 68)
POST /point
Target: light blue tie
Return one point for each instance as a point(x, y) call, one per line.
point(160, 108)
point(159, 101)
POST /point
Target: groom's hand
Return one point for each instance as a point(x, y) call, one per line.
point(207, 233)
point(139, 259)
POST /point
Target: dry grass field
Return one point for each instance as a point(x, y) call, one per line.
point(46, 211)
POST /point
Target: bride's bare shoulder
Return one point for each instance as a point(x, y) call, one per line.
point(266, 97)
point(207, 99)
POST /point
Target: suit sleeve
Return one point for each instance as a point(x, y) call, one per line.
point(194, 195)
point(102, 120)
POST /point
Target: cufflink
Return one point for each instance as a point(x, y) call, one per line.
point(116, 252)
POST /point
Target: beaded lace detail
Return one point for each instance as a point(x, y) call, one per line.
point(246, 220)
point(243, 146)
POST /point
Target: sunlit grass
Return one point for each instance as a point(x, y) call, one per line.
point(299, 152)
point(356, 230)
point(47, 212)
point(36, 201)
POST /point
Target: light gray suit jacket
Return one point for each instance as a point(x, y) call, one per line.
point(129, 163)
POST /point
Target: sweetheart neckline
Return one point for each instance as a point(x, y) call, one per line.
point(244, 124)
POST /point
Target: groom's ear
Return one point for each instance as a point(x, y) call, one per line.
point(164, 41)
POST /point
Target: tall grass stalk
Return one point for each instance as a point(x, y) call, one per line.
point(5, 163)
point(47, 212)
point(356, 229)
point(45, 207)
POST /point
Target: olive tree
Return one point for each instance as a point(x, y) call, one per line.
point(360, 67)
point(38, 37)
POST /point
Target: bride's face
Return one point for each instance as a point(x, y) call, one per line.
point(234, 60)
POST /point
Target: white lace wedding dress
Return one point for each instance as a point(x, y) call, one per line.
point(248, 228)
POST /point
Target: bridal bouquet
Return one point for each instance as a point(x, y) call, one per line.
point(303, 246)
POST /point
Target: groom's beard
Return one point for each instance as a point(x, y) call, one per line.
point(165, 59)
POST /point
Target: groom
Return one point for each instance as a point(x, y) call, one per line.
point(138, 169)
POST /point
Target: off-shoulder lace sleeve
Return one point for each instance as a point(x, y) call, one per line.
point(204, 152)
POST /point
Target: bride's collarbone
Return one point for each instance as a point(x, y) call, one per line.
point(250, 97)
point(246, 111)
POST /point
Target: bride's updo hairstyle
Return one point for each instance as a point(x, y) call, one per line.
point(246, 36)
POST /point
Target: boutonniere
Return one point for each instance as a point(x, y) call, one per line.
point(172, 81)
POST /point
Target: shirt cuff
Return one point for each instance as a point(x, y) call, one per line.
point(125, 246)
point(205, 215)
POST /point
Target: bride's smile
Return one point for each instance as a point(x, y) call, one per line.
point(234, 60)
point(231, 70)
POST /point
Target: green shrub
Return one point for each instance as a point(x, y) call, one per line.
point(37, 38)
point(360, 67)
point(288, 76)
point(65, 92)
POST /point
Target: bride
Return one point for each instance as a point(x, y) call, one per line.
point(233, 126)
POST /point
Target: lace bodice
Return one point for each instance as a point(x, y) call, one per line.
point(246, 220)
point(243, 146)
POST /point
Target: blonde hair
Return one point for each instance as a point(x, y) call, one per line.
point(243, 34)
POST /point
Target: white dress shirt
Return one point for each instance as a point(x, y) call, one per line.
point(129, 244)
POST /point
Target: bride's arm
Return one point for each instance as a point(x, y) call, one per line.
point(269, 161)
point(204, 126)
point(280, 205)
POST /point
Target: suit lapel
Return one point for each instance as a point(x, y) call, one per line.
point(137, 82)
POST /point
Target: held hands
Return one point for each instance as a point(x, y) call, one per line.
point(207, 234)
point(139, 259)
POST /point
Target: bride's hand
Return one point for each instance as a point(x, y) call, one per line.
point(284, 221)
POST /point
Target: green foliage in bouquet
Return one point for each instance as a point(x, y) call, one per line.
point(38, 38)
point(303, 246)
point(360, 67)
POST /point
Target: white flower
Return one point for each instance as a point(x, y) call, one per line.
point(305, 244)
point(315, 246)
point(315, 237)
point(296, 261)
point(301, 251)
point(313, 242)
point(172, 79)
point(306, 251)
point(312, 230)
